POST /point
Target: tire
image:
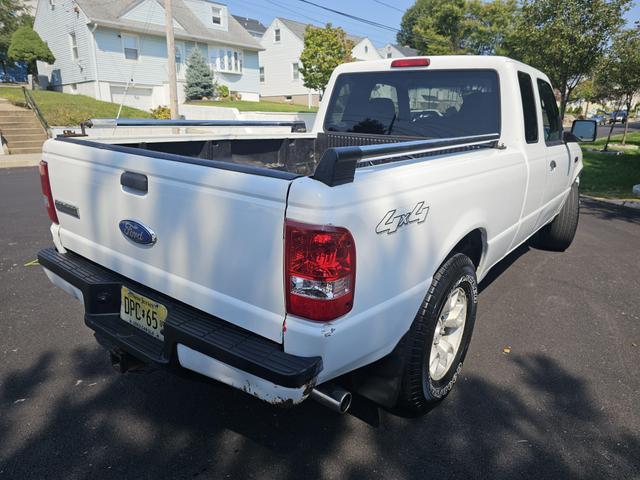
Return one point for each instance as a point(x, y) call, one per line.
point(558, 235)
point(420, 389)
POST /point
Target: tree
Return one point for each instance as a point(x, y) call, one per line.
point(13, 15)
point(565, 39)
point(199, 77)
point(436, 27)
point(591, 90)
point(621, 68)
point(324, 49)
point(27, 46)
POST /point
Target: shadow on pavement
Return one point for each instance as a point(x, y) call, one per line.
point(158, 425)
point(608, 211)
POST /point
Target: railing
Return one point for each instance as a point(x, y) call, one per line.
point(338, 164)
point(31, 103)
point(296, 125)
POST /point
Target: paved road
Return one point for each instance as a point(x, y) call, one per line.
point(563, 404)
point(603, 130)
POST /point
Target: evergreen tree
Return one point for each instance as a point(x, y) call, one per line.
point(27, 46)
point(199, 77)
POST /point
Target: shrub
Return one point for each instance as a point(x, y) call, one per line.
point(162, 112)
point(222, 91)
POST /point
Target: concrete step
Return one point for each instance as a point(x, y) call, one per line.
point(25, 150)
point(16, 113)
point(24, 143)
point(21, 137)
point(25, 124)
point(10, 131)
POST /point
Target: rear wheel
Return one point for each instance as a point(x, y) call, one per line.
point(558, 235)
point(437, 342)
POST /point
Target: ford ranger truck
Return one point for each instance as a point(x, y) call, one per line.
point(294, 264)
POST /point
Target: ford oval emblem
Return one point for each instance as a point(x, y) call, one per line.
point(137, 232)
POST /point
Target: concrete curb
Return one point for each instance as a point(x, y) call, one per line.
point(613, 201)
point(25, 160)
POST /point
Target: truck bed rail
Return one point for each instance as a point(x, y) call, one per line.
point(338, 164)
point(297, 126)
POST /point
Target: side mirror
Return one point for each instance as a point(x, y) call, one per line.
point(584, 131)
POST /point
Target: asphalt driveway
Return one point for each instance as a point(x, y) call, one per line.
point(563, 403)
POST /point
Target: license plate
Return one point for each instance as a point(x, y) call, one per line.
point(142, 312)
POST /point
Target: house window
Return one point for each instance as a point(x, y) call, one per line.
point(227, 61)
point(216, 15)
point(74, 46)
point(178, 59)
point(295, 71)
point(130, 45)
point(366, 49)
point(388, 54)
point(276, 34)
point(261, 74)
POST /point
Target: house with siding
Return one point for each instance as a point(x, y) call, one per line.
point(391, 50)
point(116, 50)
point(282, 43)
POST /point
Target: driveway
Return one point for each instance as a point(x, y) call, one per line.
point(563, 403)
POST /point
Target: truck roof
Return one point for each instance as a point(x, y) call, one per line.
point(442, 62)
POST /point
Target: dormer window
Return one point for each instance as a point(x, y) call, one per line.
point(216, 15)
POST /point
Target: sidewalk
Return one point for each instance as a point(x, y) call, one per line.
point(20, 160)
point(623, 202)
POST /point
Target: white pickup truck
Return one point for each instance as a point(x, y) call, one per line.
point(293, 264)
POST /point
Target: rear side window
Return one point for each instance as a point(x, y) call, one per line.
point(528, 107)
point(416, 103)
point(550, 113)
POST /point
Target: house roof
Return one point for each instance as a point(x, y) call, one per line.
point(406, 51)
point(251, 24)
point(298, 29)
point(110, 14)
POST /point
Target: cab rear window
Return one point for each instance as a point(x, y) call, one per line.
point(417, 103)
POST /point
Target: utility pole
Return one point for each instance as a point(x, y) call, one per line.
point(171, 60)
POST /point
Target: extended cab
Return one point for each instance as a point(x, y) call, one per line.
point(295, 264)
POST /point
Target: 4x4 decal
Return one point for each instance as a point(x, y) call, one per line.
point(392, 220)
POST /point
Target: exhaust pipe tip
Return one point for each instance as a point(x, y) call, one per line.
point(331, 396)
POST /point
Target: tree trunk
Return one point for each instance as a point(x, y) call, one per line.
point(626, 124)
point(586, 110)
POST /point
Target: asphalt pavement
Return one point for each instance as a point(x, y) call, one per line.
point(550, 388)
point(603, 130)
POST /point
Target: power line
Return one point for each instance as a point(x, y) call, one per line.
point(353, 17)
point(390, 6)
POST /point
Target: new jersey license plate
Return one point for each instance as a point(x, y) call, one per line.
point(142, 312)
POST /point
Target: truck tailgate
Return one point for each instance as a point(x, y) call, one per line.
point(219, 232)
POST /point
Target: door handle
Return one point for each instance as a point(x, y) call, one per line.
point(553, 165)
point(135, 181)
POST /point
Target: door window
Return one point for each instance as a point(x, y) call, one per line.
point(528, 108)
point(550, 114)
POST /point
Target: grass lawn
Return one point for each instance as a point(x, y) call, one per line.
point(607, 175)
point(258, 106)
point(64, 109)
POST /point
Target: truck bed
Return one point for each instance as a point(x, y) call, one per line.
point(295, 154)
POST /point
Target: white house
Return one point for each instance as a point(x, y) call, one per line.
point(391, 50)
point(116, 50)
point(282, 43)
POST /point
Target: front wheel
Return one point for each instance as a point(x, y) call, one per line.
point(437, 342)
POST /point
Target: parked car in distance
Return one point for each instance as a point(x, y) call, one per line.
point(293, 265)
point(599, 119)
point(618, 117)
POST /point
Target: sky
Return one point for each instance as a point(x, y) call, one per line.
point(389, 14)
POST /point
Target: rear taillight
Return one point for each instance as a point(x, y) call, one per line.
point(46, 191)
point(320, 270)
